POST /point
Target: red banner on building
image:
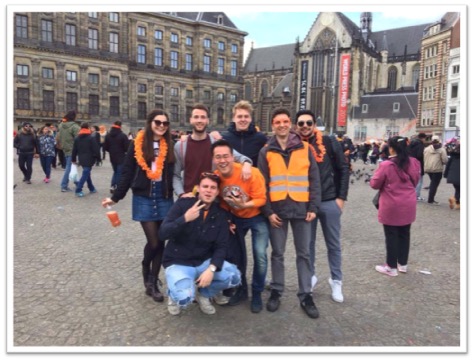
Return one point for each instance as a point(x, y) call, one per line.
point(344, 75)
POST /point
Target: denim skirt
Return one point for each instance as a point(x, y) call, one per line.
point(154, 208)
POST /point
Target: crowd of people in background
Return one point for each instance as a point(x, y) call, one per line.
point(197, 194)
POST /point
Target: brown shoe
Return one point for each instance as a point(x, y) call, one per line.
point(452, 202)
point(457, 206)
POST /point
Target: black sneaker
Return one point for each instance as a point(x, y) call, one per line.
point(309, 307)
point(239, 296)
point(274, 301)
point(256, 305)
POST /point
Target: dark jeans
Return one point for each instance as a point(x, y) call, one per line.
point(85, 177)
point(117, 173)
point(61, 158)
point(457, 192)
point(25, 162)
point(435, 179)
point(46, 162)
point(397, 243)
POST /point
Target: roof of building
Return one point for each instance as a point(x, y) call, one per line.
point(381, 106)
point(270, 58)
point(284, 83)
point(396, 39)
point(208, 17)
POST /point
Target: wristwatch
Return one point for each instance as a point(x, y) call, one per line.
point(212, 268)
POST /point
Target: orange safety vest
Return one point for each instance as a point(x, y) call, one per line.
point(292, 180)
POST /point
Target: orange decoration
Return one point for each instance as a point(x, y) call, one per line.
point(319, 156)
point(159, 161)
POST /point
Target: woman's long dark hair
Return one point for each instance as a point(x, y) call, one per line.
point(148, 151)
point(399, 145)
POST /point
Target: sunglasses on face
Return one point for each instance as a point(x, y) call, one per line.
point(308, 123)
point(159, 123)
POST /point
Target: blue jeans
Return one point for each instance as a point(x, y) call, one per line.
point(67, 170)
point(418, 187)
point(85, 177)
point(46, 162)
point(330, 217)
point(117, 173)
point(259, 227)
point(181, 281)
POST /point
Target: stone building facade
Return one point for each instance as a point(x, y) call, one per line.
point(119, 66)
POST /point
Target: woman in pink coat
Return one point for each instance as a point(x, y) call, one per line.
point(396, 179)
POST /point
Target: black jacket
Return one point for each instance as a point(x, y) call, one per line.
point(133, 176)
point(416, 149)
point(191, 243)
point(86, 149)
point(25, 143)
point(247, 143)
point(333, 170)
point(116, 143)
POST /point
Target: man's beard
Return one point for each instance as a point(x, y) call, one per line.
point(198, 130)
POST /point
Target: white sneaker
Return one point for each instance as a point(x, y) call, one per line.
point(205, 304)
point(314, 281)
point(336, 287)
point(220, 299)
point(173, 307)
point(402, 269)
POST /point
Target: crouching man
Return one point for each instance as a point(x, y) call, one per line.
point(197, 231)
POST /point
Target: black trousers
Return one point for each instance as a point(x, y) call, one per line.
point(397, 244)
point(435, 179)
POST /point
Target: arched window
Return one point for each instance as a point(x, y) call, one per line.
point(264, 88)
point(392, 78)
point(415, 76)
point(220, 116)
point(248, 91)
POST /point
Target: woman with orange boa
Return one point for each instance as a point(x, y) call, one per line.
point(148, 171)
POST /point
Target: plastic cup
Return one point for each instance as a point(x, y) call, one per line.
point(114, 218)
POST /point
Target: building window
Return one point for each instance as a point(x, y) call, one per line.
point(71, 75)
point(159, 90)
point(234, 48)
point(113, 42)
point(207, 94)
point(233, 98)
point(189, 94)
point(174, 92)
point(71, 101)
point(94, 78)
point(365, 108)
point(70, 34)
point(391, 131)
point(114, 17)
point(23, 98)
point(93, 104)
point(158, 35)
point(452, 117)
point(248, 91)
point(21, 26)
point(189, 40)
point(360, 133)
point(221, 45)
point(47, 30)
point(174, 113)
point(220, 116)
point(174, 38)
point(207, 43)
point(158, 57)
point(264, 89)
point(174, 59)
point(396, 107)
point(220, 20)
point(415, 76)
point(114, 81)
point(141, 31)
point(141, 54)
point(47, 73)
point(220, 66)
point(189, 111)
point(48, 100)
point(141, 88)
point(189, 62)
point(220, 96)
point(454, 91)
point(158, 105)
point(22, 70)
point(141, 110)
point(93, 15)
point(392, 79)
point(455, 69)
point(207, 63)
point(114, 106)
point(233, 68)
point(93, 39)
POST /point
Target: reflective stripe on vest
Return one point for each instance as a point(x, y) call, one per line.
point(292, 181)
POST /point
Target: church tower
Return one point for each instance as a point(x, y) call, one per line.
point(366, 25)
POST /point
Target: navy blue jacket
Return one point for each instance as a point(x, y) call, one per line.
point(247, 143)
point(191, 243)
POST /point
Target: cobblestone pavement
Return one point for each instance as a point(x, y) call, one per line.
point(77, 282)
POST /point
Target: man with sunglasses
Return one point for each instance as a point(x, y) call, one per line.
point(293, 198)
point(197, 231)
point(334, 172)
point(26, 145)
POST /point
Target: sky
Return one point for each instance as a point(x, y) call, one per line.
point(276, 28)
